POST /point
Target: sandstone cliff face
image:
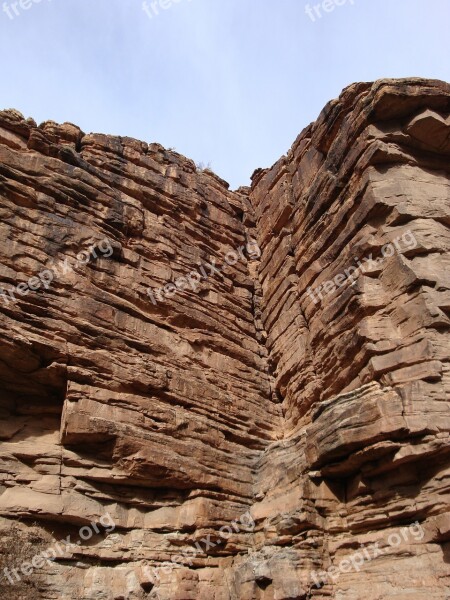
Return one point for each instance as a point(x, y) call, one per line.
point(248, 429)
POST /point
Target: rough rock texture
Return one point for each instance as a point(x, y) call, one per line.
point(327, 418)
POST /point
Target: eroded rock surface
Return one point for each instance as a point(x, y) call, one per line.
point(261, 424)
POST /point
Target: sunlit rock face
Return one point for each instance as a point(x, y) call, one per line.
point(241, 395)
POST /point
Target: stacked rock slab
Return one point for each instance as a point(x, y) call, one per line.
point(300, 394)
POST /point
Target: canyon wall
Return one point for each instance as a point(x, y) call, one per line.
point(242, 392)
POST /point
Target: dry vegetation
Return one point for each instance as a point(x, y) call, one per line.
point(19, 546)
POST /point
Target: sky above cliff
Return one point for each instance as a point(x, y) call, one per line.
point(226, 82)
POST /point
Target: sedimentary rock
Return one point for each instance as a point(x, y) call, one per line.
point(236, 393)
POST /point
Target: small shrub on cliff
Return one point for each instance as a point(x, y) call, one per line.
point(201, 166)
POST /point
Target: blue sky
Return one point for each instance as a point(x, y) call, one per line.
point(231, 82)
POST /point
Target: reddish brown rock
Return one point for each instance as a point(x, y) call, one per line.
point(253, 429)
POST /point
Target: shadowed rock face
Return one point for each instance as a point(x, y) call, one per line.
point(283, 403)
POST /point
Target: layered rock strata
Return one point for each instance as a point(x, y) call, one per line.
point(254, 385)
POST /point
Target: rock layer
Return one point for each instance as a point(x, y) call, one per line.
point(296, 398)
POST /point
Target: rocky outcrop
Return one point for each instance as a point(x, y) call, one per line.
point(241, 395)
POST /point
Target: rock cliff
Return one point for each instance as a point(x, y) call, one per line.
point(231, 395)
